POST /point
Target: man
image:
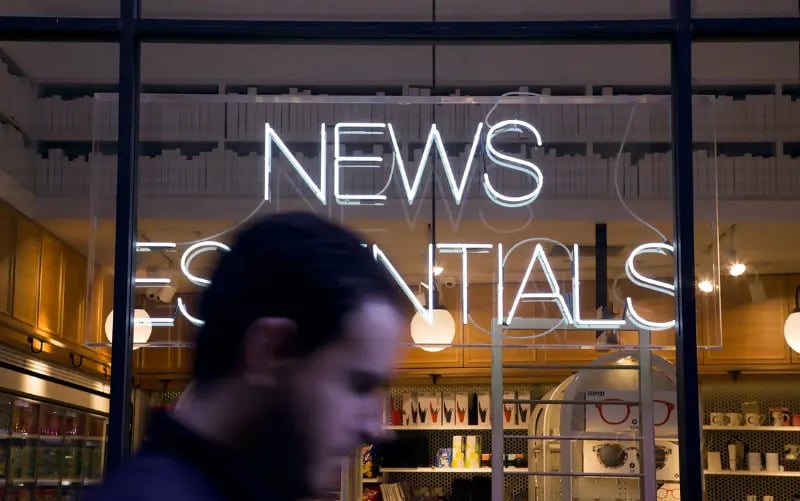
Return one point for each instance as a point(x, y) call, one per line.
point(300, 334)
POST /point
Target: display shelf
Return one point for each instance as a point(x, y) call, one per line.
point(450, 428)
point(748, 473)
point(784, 429)
point(372, 480)
point(448, 470)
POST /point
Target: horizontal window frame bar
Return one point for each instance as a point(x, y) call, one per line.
point(638, 31)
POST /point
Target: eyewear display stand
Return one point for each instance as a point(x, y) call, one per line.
point(570, 401)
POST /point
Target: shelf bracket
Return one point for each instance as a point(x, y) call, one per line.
point(31, 340)
point(735, 374)
point(72, 357)
point(434, 378)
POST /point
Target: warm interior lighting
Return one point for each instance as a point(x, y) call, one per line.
point(737, 268)
point(142, 328)
point(439, 333)
point(705, 286)
point(791, 329)
point(438, 270)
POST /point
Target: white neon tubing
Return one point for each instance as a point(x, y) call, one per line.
point(341, 162)
point(517, 164)
point(148, 282)
point(456, 188)
point(500, 260)
point(148, 246)
point(192, 319)
point(648, 283)
point(192, 252)
point(155, 322)
point(427, 313)
point(643, 323)
point(271, 136)
point(599, 324)
point(464, 249)
point(554, 296)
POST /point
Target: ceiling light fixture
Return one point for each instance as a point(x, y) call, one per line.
point(142, 327)
point(791, 329)
point(438, 332)
point(736, 268)
point(706, 286)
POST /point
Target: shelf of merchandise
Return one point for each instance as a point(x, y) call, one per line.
point(753, 428)
point(748, 473)
point(450, 428)
point(447, 470)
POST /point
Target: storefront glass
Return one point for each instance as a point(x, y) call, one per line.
point(602, 157)
point(47, 307)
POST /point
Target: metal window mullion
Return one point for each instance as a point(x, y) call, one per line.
point(691, 467)
point(120, 407)
point(498, 472)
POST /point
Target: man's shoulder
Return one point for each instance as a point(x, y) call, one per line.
point(156, 476)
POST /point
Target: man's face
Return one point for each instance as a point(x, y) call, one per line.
point(337, 391)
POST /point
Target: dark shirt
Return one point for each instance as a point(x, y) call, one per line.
point(176, 464)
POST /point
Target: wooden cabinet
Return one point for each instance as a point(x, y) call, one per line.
point(51, 292)
point(7, 239)
point(752, 333)
point(74, 305)
point(27, 258)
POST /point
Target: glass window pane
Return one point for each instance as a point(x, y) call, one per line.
point(418, 10)
point(51, 8)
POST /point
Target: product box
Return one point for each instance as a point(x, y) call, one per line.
point(523, 409)
point(410, 410)
point(484, 409)
point(509, 409)
point(458, 452)
point(472, 451)
point(602, 416)
point(462, 409)
point(449, 409)
point(444, 458)
point(429, 407)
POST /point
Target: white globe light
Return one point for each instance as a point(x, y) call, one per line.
point(706, 286)
point(441, 331)
point(791, 331)
point(141, 327)
point(737, 269)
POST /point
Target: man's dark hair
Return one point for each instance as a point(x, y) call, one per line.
point(293, 265)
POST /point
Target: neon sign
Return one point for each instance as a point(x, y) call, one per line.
point(570, 313)
point(411, 185)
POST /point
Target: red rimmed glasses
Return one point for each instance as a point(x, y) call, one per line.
point(668, 493)
point(617, 413)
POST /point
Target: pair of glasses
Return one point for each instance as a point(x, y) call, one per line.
point(617, 413)
point(664, 493)
point(615, 456)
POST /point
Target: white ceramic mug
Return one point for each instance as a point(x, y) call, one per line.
point(716, 419)
point(752, 419)
point(733, 418)
point(780, 418)
point(754, 461)
point(772, 462)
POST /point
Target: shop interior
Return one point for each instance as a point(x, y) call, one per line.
point(605, 157)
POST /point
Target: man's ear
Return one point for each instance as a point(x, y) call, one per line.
point(268, 345)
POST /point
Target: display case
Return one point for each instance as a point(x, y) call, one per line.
point(48, 452)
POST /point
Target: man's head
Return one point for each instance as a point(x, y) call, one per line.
point(303, 323)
